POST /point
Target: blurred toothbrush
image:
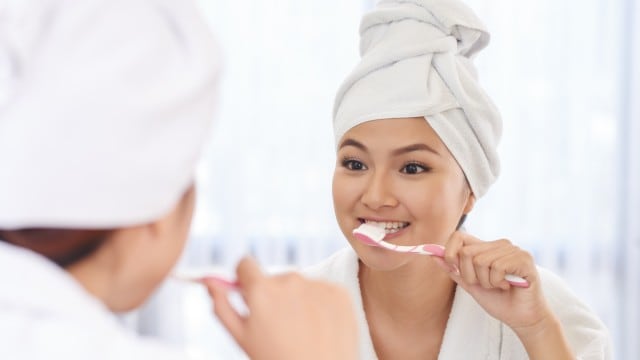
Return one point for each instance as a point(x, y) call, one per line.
point(374, 236)
point(201, 279)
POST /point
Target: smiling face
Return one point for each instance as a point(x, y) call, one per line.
point(398, 172)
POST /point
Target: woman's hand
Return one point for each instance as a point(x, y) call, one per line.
point(290, 317)
point(479, 267)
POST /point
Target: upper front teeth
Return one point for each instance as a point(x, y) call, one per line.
point(388, 225)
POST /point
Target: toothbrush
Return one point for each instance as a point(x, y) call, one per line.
point(201, 279)
point(374, 236)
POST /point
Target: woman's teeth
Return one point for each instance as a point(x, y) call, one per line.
point(389, 227)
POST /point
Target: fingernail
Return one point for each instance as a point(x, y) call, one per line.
point(454, 269)
point(437, 250)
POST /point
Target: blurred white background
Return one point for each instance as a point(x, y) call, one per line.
point(566, 78)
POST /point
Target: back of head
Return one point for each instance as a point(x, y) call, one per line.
point(416, 61)
point(104, 111)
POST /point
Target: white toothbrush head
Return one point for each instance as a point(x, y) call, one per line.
point(369, 234)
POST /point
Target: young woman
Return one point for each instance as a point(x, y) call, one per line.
point(416, 147)
point(104, 109)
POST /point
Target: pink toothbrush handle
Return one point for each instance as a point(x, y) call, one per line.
point(227, 283)
point(428, 249)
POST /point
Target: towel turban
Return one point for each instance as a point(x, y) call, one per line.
point(104, 108)
point(416, 61)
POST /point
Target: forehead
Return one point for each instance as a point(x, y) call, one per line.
point(394, 133)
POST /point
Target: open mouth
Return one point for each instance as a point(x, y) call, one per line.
point(390, 227)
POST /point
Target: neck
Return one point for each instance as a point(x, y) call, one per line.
point(415, 292)
point(408, 305)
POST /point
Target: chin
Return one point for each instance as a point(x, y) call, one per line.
point(135, 298)
point(133, 302)
point(125, 307)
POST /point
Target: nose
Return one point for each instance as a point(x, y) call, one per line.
point(378, 192)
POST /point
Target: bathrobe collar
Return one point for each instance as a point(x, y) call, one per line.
point(482, 334)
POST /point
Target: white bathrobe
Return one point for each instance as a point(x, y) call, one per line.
point(46, 314)
point(471, 333)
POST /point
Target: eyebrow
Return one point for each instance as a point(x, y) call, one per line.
point(354, 143)
point(414, 147)
point(396, 152)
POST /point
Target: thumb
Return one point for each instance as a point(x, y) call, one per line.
point(248, 272)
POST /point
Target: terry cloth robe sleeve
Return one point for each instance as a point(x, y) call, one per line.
point(586, 334)
point(484, 337)
point(46, 314)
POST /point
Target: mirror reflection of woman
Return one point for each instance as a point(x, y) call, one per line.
point(416, 140)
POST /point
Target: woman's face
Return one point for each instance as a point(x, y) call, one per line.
point(398, 172)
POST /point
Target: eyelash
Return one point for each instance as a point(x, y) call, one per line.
point(349, 162)
point(424, 168)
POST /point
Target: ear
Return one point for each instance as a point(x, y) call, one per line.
point(471, 201)
point(133, 239)
point(162, 228)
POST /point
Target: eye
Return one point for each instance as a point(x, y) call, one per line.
point(354, 165)
point(414, 168)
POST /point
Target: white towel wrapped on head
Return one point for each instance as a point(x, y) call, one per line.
point(416, 60)
point(106, 108)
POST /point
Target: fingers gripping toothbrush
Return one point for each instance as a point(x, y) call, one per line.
point(374, 236)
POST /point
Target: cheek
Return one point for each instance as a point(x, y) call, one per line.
point(345, 191)
point(187, 219)
point(179, 234)
point(436, 202)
